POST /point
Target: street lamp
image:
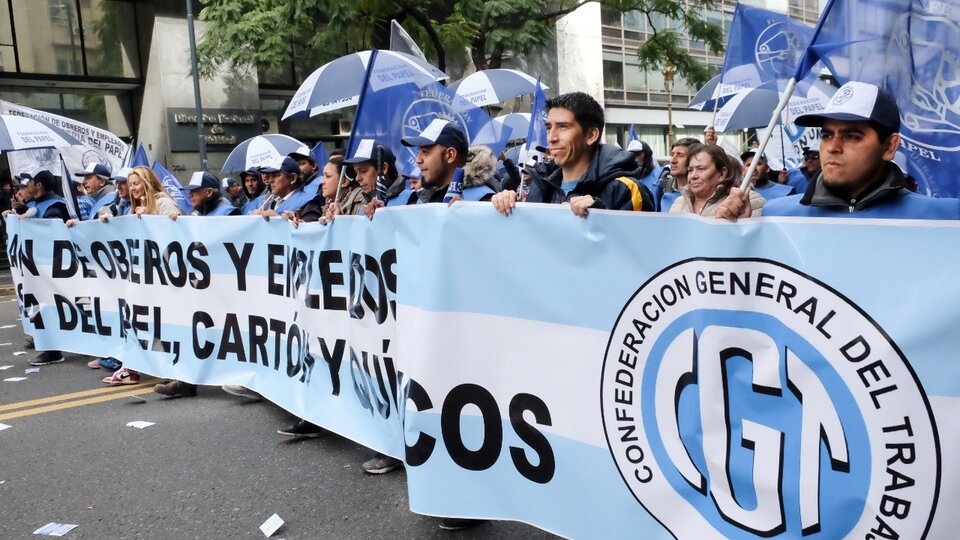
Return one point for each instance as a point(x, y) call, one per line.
point(669, 71)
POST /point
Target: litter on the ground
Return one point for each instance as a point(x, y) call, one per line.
point(139, 424)
point(271, 525)
point(55, 529)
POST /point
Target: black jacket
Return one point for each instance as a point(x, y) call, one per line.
point(611, 179)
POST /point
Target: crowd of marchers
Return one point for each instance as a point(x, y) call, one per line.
point(850, 173)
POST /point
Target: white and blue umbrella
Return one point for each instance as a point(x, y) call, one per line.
point(518, 125)
point(22, 133)
point(337, 84)
point(753, 108)
point(492, 86)
point(260, 151)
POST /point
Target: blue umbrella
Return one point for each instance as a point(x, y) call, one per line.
point(518, 125)
point(492, 86)
point(337, 84)
point(22, 133)
point(753, 107)
point(259, 151)
point(706, 100)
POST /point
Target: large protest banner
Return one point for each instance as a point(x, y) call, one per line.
point(781, 378)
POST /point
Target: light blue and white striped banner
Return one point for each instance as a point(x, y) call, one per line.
point(625, 375)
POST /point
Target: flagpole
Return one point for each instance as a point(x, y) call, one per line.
point(784, 99)
point(196, 87)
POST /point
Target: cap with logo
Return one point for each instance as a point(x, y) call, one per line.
point(442, 132)
point(201, 179)
point(99, 169)
point(286, 165)
point(368, 149)
point(303, 153)
point(857, 101)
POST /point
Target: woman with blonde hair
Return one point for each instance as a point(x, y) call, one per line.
point(147, 197)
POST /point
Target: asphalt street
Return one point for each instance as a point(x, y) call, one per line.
point(211, 466)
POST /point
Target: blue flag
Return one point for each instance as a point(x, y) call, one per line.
point(632, 135)
point(537, 134)
point(911, 50)
point(173, 187)
point(399, 100)
point(140, 158)
point(763, 46)
point(320, 154)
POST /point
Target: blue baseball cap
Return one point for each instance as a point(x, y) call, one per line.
point(287, 165)
point(442, 132)
point(202, 179)
point(99, 169)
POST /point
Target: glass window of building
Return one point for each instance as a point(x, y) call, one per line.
point(8, 59)
point(48, 36)
point(110, 38)
point(613, 70)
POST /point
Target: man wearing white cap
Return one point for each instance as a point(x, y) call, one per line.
point(96, 183)
point(309, 171)
point(375, 163)
point(859, 138)
point(204, 192)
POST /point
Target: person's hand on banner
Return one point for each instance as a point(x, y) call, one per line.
point(104, 218)
point(331, 212)
point(71, 222)
point(267, 214)
point(581, 204)
point(371, 207)
point(735, 206)
point(505, 201)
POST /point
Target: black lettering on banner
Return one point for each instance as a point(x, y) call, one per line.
point(333, 359)
point(201, 351)
point(459, 397)
point(173, 256)
point(329, 278)
point(84, 263)
point(200, 277)
point(231, 342)
point(422, 449)
point(378, 306)
point(31, 308)
point(387, 261)
point(133, 248)
point(23, 256)
point(359, 381)
point(356, 287)
point(120, 255)
point(258, 340)
point(63, 250)
point(66, 313)
point(278, 328)
point(544, 470)
point(274, 269)
point(152, 263)
point(99, 252)
point(240, 262)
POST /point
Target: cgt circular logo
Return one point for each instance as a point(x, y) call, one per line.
point(743, 399)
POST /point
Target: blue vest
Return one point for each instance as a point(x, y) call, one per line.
point(797, 180)
point(298, 200)
point(666, 201)
point(401, 199)
point(223, 209)
point(909, 206)
point(255, 204)
point(652, 180)
point(42, 207)
point(476, 193)
point(314, 186)
point(107, 199)
point(774, 190)
point(84, 205)
point(123, 208)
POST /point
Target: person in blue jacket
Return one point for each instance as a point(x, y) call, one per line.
point(365, 159)
point(650, 170)
point(764, 180)
point(286, 190)
point(99, 191)
point(859, 138)
point(800, 177)
point(206, 198)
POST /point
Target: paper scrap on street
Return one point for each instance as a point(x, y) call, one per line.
point(5, 344)
point(3, 427)
point(5, 367)
point(271, 525)
point(139, 424)
point(55, 529)
point(14, 379)
point(32, 370)
point(4, 327)
point(18, 353)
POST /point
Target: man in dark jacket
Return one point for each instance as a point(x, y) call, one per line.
point(205, 196)
point(859, 138)
point(585, 173)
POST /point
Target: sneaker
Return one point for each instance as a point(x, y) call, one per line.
point(459, 524)
point(123, 376)
point(381, 464)
point(47, 357)
point(28, 343)
point(237, 390)
point(110, 364)
point(176, 389)
point(302, 428)
point(94, 364)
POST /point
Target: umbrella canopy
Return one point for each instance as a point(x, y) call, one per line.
point(492, 86)
point(518, 125)
point(337, 84)
point(259, 151)
point(752, 108)
point(22, 133)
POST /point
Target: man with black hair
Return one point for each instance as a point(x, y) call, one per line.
point(309, 170)
point(285, 188)
point(365, 158)
point(672, 185)
point(859, 138)
point(764, 179)
point(585, 172)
